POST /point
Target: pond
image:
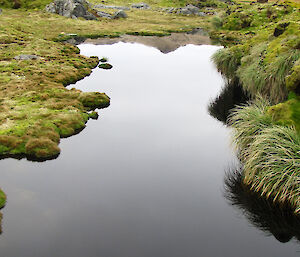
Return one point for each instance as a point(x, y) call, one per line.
point(145, 179)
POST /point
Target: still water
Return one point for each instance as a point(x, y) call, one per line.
point(146, 179)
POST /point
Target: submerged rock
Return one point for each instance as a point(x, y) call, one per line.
point(141, 6)
point(105, 66)
point(26, 57)
point(71, 9)
point(120, 14)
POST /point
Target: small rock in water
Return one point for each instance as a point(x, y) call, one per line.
point(105, 66)
point(141, 6)
point(94, 115)
point(120, 14)
point(26, 57)
point(103, 59)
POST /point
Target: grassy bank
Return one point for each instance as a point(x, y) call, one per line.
point(36, 109)
point(263, 56)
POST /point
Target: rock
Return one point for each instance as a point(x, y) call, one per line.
point(105, 66)
point(280, 29)
point(0, 10)
point(190, 10)
point(104, 15)
point(120, 14)
point(71, 9)
point(103, 59)
point(262, 1)
point(26, 57)
point(141, 6)
point(102, 6)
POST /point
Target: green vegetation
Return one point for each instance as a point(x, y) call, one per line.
point(2, 200)
point(105, 66)
point(262, 54)
point(270, 153)
point(36, 109)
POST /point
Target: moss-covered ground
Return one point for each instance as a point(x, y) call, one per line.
point(36, 109)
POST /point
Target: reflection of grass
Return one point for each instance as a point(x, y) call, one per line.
point(231, 95)
point(277, 219)
point(270, 153)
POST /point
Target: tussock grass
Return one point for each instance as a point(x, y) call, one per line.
point(267, 78)
point(273, 165)
point(228, 60)
point(270, 153)
point(248, 121)
point(274, 218)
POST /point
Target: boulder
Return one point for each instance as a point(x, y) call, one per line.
point(102, 6)
point(190, 10)
point(25, 57)
point(120, 14)
point(104, 15)
point(141, 6)
point(71, 9)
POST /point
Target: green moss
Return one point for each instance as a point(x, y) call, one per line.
point(93, 100)
point(287, 113)
point(2, 199)
point(105, 66)
point(93, 115)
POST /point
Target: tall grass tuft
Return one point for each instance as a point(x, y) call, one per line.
point(273, 165)
point(248, 121)
point(259, 76)
point(270, 153)
point(227, 61)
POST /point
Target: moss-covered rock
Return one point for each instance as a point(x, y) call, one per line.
point(105, 66)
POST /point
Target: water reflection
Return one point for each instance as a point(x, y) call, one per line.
point(273, 218)
point(231, 95)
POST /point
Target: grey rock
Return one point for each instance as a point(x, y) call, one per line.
point(0, 11)
point(120, 14)
point(71, 9)
point(23, 57)
point(141, 6)
point(102, 6)
point(104, 15)
point(190, 10)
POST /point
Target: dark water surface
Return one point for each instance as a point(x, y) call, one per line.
point(145, 180)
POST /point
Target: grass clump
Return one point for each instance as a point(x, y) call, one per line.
point(270, 153)
point(228, 60)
